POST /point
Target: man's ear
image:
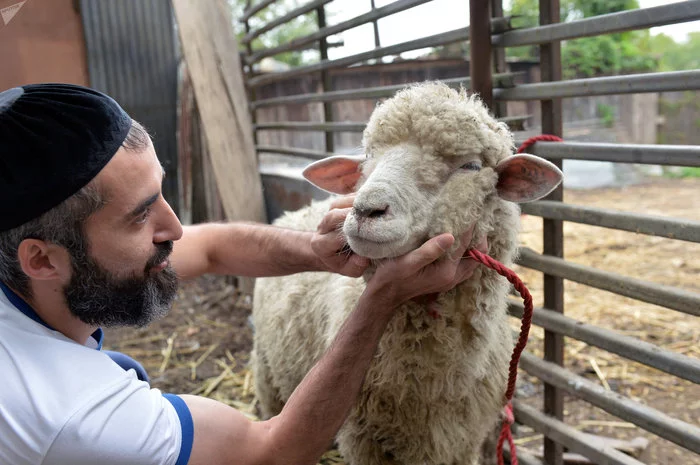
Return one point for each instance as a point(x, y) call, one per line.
point(524, 178)
point(338, 174)
point(43, 261)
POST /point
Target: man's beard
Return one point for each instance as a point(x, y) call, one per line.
point(99, 298)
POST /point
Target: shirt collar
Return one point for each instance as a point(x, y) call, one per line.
point(29, 312)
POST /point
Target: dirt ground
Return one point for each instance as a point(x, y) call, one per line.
point(203, 346)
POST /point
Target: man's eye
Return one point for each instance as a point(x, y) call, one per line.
point(144, 216)
point(471, 166)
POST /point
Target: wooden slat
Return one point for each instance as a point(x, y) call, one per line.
point(213, 61)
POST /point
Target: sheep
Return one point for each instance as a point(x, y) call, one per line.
point(435, 161)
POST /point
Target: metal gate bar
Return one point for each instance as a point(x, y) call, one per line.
point(679, 365)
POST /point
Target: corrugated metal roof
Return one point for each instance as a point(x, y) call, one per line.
point(133, 56)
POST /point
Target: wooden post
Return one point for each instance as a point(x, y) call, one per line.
point(213, 61)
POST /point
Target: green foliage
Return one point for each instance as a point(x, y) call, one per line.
point(298, 27)
point(620, 53)
point(673, 56)
point(607, 114)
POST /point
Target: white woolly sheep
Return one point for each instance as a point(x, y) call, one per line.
point(435, 162)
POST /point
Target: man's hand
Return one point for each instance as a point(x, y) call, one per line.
point(330, 245)
point(426, 270)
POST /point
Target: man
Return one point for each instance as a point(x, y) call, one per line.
point(87, 241)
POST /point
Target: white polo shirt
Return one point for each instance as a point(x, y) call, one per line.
point(62, 403)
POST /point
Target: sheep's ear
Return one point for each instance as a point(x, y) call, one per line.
point(524, 178)
point(337, 174)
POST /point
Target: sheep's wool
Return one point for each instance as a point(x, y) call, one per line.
point(436, 386)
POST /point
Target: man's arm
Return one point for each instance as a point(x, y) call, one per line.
point(250, 249)
point(312, 416)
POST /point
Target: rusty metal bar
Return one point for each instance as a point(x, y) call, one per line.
point(255, 9)
point(326, 83)
point(480, 50)
point(570, 437)
point(302, 10)
point(676, 155)
point(553, 230)
point(372, 16)
point(295, 152)
point(349, 126)
point(671, 81)
point(652, 420)
point(501, 80)
point(499, 58)
point(673, 228)
point(657, 294)
point(375, 25)
point(604, 24)
point(634, 349)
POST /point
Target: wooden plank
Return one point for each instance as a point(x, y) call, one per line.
point(213, 62)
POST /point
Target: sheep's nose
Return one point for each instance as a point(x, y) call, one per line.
point(363, 213)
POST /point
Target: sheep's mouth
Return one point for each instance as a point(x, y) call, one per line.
point(378, 248)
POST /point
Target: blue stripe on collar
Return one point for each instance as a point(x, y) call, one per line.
point(21, 305)
point(29, 312)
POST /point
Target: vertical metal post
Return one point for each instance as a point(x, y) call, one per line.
point(553, 235)
point(480, 50)
point(251, 91)
point(326, 83)
point(376, 28)
point(499, 59)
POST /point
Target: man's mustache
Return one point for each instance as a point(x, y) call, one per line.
point(163, 251)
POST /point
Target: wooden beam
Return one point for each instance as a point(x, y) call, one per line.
point(213, 61)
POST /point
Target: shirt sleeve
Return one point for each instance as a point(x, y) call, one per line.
point(126, 424)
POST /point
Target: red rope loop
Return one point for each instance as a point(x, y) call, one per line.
point(542, 137)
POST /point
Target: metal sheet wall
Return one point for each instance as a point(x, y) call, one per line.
point(132, 55)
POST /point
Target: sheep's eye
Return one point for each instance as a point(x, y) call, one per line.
point(471, 166)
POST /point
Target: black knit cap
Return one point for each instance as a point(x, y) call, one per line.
point(54, 139)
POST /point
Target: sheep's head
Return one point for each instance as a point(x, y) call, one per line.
point(434, 162)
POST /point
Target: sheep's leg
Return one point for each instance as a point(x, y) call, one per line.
point(267, 395)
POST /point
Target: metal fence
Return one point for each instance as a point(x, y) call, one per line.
point(488, 36)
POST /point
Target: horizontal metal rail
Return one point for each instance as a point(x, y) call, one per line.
point(658, 294)
point(682, 229)
point(315, 154)
point(443, 38)
point(603, 24)
point(628, 84)
point(677, 431)
point(350, 126)
point(675, 155)
point(631, 348)
point(300, 42)
point(309, 126)
point(570, 437)
point(302, 10)
point(523, 457)
point(255, 9)
point(502, 80)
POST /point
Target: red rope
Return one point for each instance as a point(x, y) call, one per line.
point(542, 137)
point(510, 275)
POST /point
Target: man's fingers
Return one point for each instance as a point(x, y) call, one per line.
point(464, 240)
point(345, 201)
point(333, 220)
point(430, 251)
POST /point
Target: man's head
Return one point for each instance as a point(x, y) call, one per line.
point(85, 215)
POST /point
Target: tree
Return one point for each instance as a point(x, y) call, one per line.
point(619, 53)
point(300, 26)
point(673, 56)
